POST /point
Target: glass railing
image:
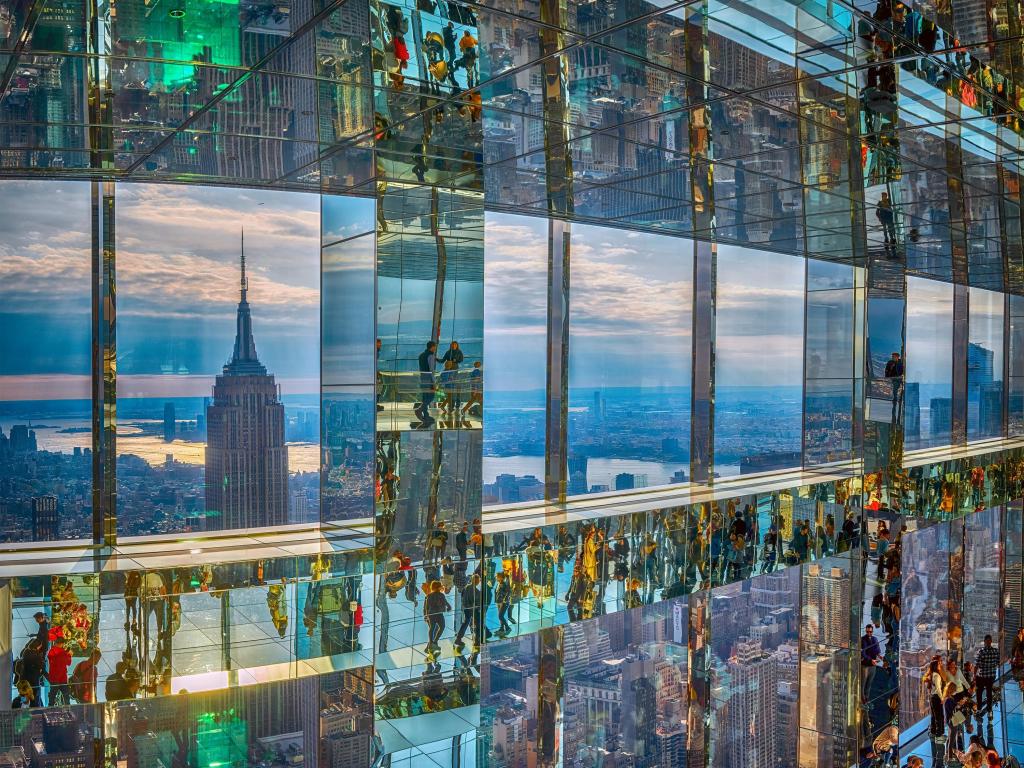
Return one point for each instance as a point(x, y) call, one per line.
point(85, 636)
point(165, 614)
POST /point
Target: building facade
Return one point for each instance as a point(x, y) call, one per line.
point(693, 425)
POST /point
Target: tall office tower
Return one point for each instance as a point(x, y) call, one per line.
point(624, 481)
point(670, 744)
point(980, 369)
point(246, 458)
point(23, 439)
point(1014, 592)
point(45, 518)
point(990, 409)
point(912, 411)
point(753, 706)
point(638, 716)
point(815, 745)
point(941, 416)
point(577, 475)
point(170, 427)
point(576, 651)
point(825, 620)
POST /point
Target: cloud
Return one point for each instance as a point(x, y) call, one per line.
point(45, 259)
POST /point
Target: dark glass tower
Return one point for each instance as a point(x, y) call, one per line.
point(246, 458)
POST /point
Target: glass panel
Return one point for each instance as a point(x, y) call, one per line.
point(985, 365)
point(1015, 388)
point(758, 361)
point(347, 363)
point(641, 705)
point(45, 405)
point(983, 547)
point(929, 363)
point(754, 671)
point(218, 389)
point(1013, 569)
point(924, 622)
point(629, 359)
point(829, 665)
point(829, 363)
point(515, 336)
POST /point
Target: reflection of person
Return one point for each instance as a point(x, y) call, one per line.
point(894, 373)
point(894, 366)
point(870, 658)
point(435, 605)
point(541, 578)
point(450, 386)
point(31, 666)
point(467, 44)
point(1017, 656)
point(476, 389)
point(83, 679)
point(437, 544)
point(132, 587)
point(427, 363)
point(380, 379)
point(449, 41)
point(954, 720)
point(453, 355)
point(975, 754)
point(42, 629)
point(934, 683)
point(59, 659)
point(25, 698)
point(987, 664)
point(503, 597)
point(471, 605)
point(278, 606)
point(887, 218)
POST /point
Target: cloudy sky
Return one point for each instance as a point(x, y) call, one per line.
point(630, 309)
point(177, 280)
point(44, 289)
point(177, 284)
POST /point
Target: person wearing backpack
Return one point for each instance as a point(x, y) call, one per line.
point(31, 667)
point(83, 679)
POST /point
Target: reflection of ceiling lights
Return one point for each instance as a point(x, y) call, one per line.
point(176, 13)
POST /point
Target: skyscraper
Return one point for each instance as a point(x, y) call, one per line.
point(980, 368)
point(170, 427)
point(246, 458)
point(912, 410)
point(941, 416)
point(753, 706)
point(577, 475)
point(45, 518)
point(990, 408)
point(825, 621)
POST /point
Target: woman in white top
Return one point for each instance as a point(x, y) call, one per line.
point(933, 679)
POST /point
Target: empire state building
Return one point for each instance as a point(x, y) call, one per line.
point(246, 458)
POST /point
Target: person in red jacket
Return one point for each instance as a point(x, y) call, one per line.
point(59, 658)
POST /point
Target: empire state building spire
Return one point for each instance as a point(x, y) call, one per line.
point(243, 360)
point(246, 456)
